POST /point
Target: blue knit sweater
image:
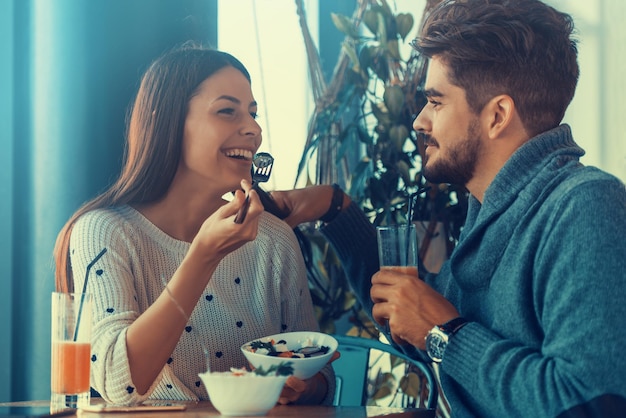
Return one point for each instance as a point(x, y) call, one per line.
point(540, 271)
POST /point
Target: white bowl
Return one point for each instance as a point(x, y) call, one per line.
point(249, 394)
point(303, 368)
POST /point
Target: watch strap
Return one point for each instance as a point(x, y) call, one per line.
point(453, 325)
point(336, 204)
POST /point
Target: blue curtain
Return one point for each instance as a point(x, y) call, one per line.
point(69, 71)
point(6, 191)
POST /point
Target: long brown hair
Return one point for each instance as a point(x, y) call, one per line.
point(154, 137)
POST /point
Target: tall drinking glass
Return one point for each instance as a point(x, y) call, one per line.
point(71, 350)
point(397, 248)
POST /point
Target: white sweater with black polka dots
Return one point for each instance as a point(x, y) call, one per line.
point(259, 289)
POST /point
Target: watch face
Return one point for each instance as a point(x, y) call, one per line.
point(436, 343)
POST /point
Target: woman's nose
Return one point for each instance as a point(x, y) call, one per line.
point(251, 128)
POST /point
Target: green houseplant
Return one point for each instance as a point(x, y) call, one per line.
point(360, 136)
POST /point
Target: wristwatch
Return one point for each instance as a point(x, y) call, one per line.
point(438, 337)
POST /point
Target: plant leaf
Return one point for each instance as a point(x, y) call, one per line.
point(381, 113)
point(382, 392)
point(370, 18)
point(398, 135)
point(410, 384)
point(404, 23)
point(393, 49)
point(345, 25)
point(394, 100)
point(378, 63)
point(350, 51)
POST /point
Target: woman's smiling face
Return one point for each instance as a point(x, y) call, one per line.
point(221, 134)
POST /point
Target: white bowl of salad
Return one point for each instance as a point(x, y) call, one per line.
point(245, 393)
point(307, 351)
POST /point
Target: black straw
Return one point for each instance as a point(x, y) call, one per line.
point(411, 215)
point(82, 295)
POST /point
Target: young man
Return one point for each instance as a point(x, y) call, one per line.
point(526, 316)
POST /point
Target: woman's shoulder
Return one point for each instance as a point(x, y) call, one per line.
point(275, 231)
point(103, 217)
point(104, 227)
point(112, 223)
point(272, 224)
point(276, 241)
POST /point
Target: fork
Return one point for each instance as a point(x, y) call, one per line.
point(263, 163)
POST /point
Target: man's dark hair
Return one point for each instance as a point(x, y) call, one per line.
point(522, 48)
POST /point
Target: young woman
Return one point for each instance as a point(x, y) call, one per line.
point(179, 278)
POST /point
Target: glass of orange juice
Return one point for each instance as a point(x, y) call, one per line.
point(397, 248)
point(71, 350)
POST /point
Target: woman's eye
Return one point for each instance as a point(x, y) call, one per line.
point(227, 111)
point(434, 103)
point(254, 115)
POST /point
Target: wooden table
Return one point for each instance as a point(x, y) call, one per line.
point(204, 409)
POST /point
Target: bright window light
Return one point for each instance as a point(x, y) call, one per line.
point(265, 35)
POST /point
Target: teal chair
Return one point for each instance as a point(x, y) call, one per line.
point(351, 370)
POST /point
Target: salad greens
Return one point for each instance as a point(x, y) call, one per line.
point(279, 349)
point(284, 368)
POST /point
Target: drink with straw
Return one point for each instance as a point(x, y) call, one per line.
point(397, 248)
point(70, 367)
point(71, 350)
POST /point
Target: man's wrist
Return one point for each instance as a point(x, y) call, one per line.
point(336, 204)
point(438, 338)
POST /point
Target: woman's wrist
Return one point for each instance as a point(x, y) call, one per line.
point(317, 387)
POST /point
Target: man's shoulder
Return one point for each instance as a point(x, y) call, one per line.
point(570, 181)
point(590, 176)
point(587, 191)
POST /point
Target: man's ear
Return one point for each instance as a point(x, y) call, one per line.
point(498, 115)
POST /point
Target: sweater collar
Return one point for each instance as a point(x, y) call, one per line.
point(524, 177)
point(526, 163)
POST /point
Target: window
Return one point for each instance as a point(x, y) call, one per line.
point(265, 35)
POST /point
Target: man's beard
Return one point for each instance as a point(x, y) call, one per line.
point(459, 165)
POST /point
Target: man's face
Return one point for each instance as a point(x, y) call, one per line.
point(451, 131)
